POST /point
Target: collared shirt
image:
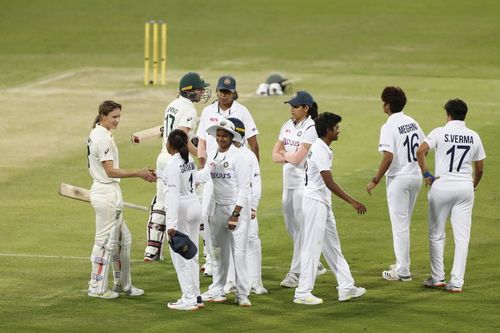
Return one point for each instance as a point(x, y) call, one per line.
point(401, 135)
point(101, 147)
point(180, 113)
point(456, 148)
point(212, 115)
point(319, 159)
point(292, 135)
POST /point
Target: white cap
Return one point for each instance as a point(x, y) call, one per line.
point(225, 125)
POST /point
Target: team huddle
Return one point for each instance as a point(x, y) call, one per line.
point(228, 180)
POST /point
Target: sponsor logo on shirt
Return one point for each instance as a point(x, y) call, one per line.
point(220, 175)
point(214, 120)
point(106, 151)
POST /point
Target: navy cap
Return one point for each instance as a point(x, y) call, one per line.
point(226, 82)
point(239, 127)
point(180, 243)
point(301, 98)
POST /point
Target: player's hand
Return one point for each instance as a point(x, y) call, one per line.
point(360, 208)
point(253, 214)
point(148, 175)
point(232, 223)
point(171, 232)
point(370, 186)
point(135, 139)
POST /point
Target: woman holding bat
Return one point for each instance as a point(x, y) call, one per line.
point(112, 237)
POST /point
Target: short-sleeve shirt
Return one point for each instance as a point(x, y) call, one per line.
point(212, 115)
point(180, 113)
point(401, 135)
point(319, 159)
point(456, 148)
point(101, 147)
point(292, 135)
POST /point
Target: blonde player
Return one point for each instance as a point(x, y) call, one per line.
point(180, 114)
point(459, 168)
point(183, 214)
point(320, 231)
point(254, 244)
point(295, 138)
point(400, 138)
point(225, 106)
point(112, 238)
point(229, 213)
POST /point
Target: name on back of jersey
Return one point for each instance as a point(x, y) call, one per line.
point(188, 167)
point(407, 128)
point(457, 138)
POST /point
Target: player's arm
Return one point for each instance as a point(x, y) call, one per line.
point(278, 151)
point(202, 152)
point(421, 153)
point(254, 146)
point(478, 172)
point(338, 191)
point(297, 156)
point(382, 169)
point(145, 173)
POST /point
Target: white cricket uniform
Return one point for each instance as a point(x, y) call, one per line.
point(254, 243)
point(401, 135)
point(112, 239)
point(292, 135)
point(230, 174)
point(452, 194)
point(212, 115)
point(180, 113)
point(183, 214)
point(320, 231)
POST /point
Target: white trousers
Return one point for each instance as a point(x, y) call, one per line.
point(402, 192)
point(320, 236)
point(112, 238)
point(453, 199)
point(225, 243)
point(292, 213)
point(254, 254)
point(187, 270)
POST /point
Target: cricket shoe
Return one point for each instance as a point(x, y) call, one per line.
point(199, 302)
point(207, 269)
point(355, 292)
point(243, 301)
point(291, 280)
point(321, 270)
point(210, 296)
point(392, 275)
point(132, 291)
point(108, 294)
point(431, 283)
point(230, 287)
point(257, 288)
point(308, 300)
point(453, 289)
point(148, 257)
point(181, 305)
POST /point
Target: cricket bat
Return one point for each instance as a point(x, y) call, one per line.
point(83, 194)
point(153, 132)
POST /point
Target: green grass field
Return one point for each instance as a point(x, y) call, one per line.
point(60, 59)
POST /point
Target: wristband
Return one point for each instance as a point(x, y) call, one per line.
point(235, 214)
point(374, 180)
point(427, 174)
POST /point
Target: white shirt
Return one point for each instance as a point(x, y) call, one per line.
point(212, 115)
point(101, 147)
point(255, 178)
point(230, 174)
point(292, 135)
point(179, 178)
point(180, 113)
point(401, 135)
point(456, 148)
point(319, 159)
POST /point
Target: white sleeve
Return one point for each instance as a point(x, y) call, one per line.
point(104, 150)
point(172, 194)
point(242, 171)
point(203, 175)
point(201, 132)
point(188, 119)
point(432, 138)
point(250, 127)
point(281, 136)
point(256, 181)
point(479, 154)
point(386, 141)
point(310, 135)
point(322, 160)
